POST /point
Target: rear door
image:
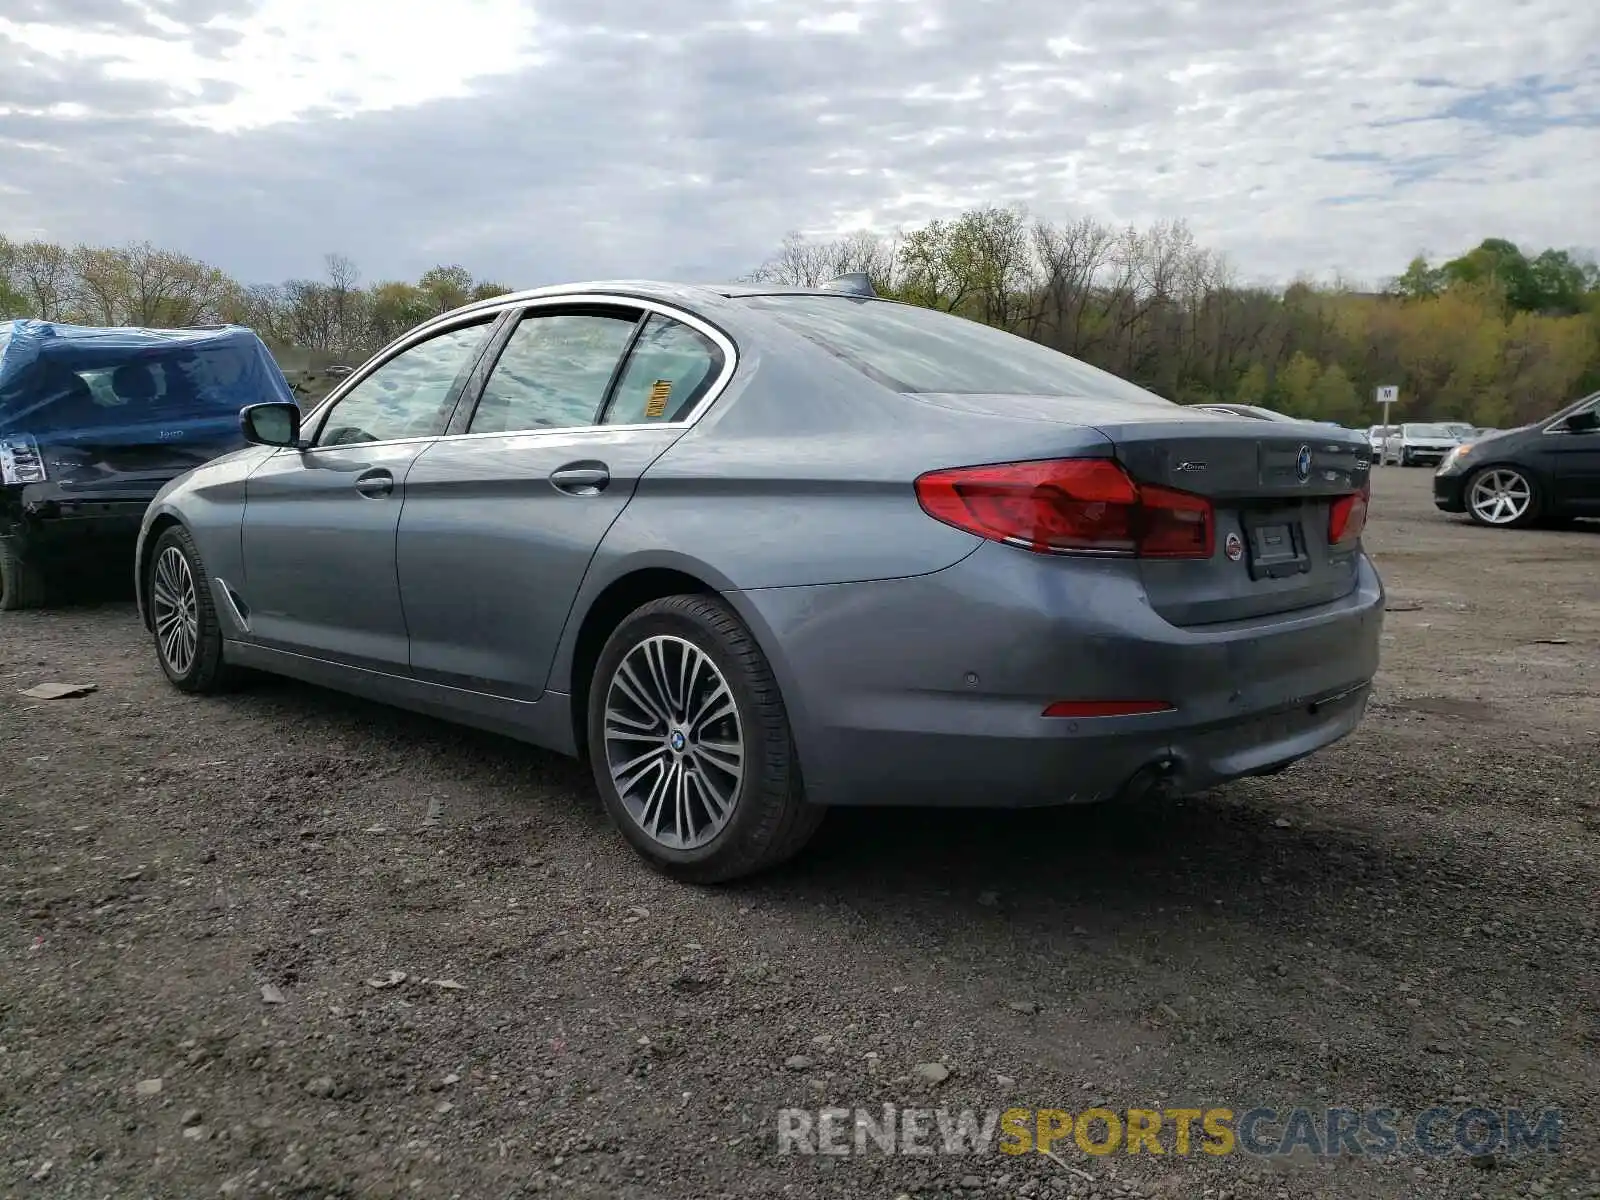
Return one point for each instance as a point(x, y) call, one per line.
point(319, 524)
point(1574, 457)
point(1272, 488)
point(503, 517)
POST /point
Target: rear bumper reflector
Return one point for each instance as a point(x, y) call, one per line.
point(1106, 708)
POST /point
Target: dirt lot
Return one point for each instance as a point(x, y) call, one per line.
point(1407, 919)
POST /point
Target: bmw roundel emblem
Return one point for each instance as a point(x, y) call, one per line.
point(676, 740)
point(1233, 547)
point(1302, 464)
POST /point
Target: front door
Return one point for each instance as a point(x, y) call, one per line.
point(500, 523)
point(1574, 455)
point(319, 523)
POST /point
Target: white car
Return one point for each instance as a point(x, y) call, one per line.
point(1413, 445)
point(1376, 435)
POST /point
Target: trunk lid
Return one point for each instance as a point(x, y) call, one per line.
point(1272, 486)
point(1249, 469)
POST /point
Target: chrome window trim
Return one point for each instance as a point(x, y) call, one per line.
point(494, 308)
point(1555, 426)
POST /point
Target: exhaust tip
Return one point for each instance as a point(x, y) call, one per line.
point(1154, 781)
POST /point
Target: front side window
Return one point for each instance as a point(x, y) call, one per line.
point(670, 368)
point(913, 349)
point(411, 395)
point(553, 372)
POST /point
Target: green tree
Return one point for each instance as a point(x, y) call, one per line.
point(445, 287)
point(1420, 281)
point(394, 307)
point(1334, 397)
point(1500, 265)
point(1297, 384)
point(1254, 386)
point(1559, 282)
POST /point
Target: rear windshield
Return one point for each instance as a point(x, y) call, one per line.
point(65, 392)
point(915, 349)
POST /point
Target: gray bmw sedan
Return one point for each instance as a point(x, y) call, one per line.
point(758, 551)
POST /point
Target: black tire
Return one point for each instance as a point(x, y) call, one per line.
point(206, 672)
point(1532, 515)
point(1405, 459)
point(770, 820)
point(21, 583)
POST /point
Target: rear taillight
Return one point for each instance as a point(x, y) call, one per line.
point(1348, 517)
point(1070, 505)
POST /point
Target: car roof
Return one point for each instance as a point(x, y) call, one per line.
point(650, 289)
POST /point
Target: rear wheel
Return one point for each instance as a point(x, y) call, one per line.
point(21, 583)
point(1504, 497)
point(690, 744)
point(188, 635)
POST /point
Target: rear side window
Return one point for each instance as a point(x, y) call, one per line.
point(913, 349)
point(553, 372)
point(670, 368)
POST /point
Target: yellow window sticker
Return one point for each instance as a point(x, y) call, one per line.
point(659, 391)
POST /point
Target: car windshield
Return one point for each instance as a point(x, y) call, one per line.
point(918, 350)
point(1427, 431)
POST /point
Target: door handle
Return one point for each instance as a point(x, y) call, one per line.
point(581, 479)
point(375, 484)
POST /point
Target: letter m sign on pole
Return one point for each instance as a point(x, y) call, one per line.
point(1387, 395)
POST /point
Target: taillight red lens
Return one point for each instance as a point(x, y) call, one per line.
point(1176, 524)
point(1348, 517)
point(1070, 504)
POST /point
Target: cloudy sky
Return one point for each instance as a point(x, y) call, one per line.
point(541, 140)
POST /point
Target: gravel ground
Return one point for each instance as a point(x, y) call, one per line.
point(198, 892)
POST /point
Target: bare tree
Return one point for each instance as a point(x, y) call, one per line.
point(42, 273)
point(345, 300)
point(165, 289)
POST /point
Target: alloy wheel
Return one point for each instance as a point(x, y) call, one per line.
point(175, 607)
point(1500, 496)
point(674, 743)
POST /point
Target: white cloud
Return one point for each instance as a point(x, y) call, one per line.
point(561, 138)
point(294, 57)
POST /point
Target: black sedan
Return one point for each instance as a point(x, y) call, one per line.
point(1547, 471)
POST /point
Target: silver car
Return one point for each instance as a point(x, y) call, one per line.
point(1415, 444)
point(755, 552)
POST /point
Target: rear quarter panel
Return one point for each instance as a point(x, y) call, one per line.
point(803, 473)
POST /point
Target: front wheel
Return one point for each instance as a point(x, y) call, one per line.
point(187, 634)
point(1504, 497)
point(691, 747)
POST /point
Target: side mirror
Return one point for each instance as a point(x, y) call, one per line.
point(1586, 421)
point(272, 424)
